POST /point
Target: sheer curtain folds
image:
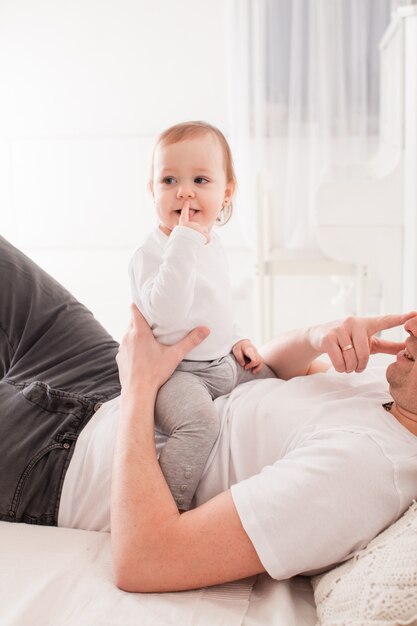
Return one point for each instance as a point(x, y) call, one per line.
point(304, 105)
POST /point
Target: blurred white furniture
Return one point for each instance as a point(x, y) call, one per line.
point(368, 222)
point(371, 219)
point(272, 262)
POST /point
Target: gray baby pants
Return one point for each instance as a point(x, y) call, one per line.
point(186, 413)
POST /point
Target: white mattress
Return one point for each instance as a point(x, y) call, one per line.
point(60, 577)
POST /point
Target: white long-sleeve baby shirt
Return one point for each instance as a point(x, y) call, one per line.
point(180, 282)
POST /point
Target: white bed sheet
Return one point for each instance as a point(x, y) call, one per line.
point(281, 603)
point(62, 577)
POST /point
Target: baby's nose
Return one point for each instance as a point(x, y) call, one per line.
point(185, 191)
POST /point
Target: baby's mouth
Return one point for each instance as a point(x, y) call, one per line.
point(408, 355)
point(191, 212)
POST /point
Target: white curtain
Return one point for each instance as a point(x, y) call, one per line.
point(304, 78)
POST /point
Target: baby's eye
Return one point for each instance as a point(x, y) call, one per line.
point(168, 180)
point(200, 180)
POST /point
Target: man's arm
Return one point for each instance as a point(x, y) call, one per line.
point(348, 343)
point(154, 547)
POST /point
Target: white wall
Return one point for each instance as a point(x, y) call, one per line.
point(85, 87)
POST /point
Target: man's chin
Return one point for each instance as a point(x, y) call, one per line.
point(389, 373)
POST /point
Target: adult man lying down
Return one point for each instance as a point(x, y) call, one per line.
point(305, 472)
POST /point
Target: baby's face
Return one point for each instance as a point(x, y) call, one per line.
point(191, 170)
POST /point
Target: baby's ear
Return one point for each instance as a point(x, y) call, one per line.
point(150, 188)
point(230, 189)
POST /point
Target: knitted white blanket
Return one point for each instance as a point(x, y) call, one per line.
point(378, 586)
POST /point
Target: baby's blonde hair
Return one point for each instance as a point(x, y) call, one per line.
point(189, 130)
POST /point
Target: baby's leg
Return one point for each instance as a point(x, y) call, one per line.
point(185, 411)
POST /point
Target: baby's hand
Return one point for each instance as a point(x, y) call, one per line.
point(247, 356)
point(185, 221)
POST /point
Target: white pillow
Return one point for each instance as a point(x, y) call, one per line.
point(378, 586)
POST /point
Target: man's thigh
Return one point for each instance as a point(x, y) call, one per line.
point(45, 334)
point(57, 364)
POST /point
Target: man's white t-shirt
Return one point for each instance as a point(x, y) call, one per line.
point(316, 465)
